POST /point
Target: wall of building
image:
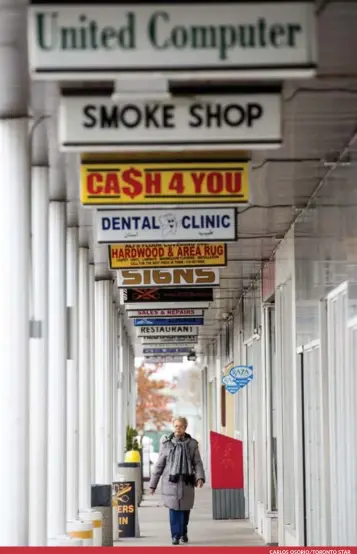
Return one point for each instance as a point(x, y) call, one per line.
point(295, 416)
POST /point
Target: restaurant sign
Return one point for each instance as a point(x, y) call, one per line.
point(168, 331)
point(137, 256)
point(162, 225)
point(160, 184)
point(91, 41)
point(186, 277)
point(244, 118)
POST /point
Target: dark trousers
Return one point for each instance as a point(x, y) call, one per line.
point(178, 522)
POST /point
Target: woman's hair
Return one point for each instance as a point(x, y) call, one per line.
point(182, 420)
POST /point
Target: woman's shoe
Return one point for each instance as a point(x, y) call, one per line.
point(184, 539)
point(175, 541)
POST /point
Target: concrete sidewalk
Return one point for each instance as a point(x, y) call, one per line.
point(203, 530)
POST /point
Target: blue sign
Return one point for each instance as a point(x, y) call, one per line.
point(168, 321)
point(184, 350)
point(238, 377)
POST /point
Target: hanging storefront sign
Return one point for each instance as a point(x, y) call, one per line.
point(185, 277)
point(176, 225)
point(163, 321)
point(242, 119)
point(237, 377)
point(166, 359)
point(159, 256)
point(159, 351)
point(155, 295)
point(176, 312)
point(159, 184)
point(168, 331)
point(166, 342)
point(94, 41)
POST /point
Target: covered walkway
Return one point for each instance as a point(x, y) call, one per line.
point(203, 531)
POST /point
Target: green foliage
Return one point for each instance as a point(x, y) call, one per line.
point(131, 440)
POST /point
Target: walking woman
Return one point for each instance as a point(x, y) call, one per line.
point(180, 466)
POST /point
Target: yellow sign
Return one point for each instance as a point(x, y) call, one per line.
point(128, 256)
point(124, 184)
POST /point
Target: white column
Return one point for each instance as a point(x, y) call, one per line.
point(85, 479)
point(57, 382)
point(115, 387)
point(103, 382)
point(91, 367)
point(120, 395)
point(14, 322)
point(39, 360)
point(72, 374)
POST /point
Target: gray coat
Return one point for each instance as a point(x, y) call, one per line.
point(176, 496)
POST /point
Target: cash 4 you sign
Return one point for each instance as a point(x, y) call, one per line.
point(237, 377)
point(99, 40)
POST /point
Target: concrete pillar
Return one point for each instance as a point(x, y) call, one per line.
point(91, 367)
point(85, 480)
point(38, 360)
point(57, 382)
point(14, 277)
point(72, 374)
point(103, 382)
point(120, 394)
point(115, 387)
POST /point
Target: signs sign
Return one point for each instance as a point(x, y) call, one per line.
point(164, 342)
point(94, 42)
point(176, 312)
point(158, 322)
point(199, 294)
point(159, 351)
point(243, 119)
point(168, 277)
point(168, 331)
point(153, 184)
point(180, 225)
point(123, 499)
point(130, 256)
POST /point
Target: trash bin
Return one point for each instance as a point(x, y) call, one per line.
point(132, 471)
point(102, 502)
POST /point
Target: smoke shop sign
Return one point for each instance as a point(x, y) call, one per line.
point(81, 41)
point(246, 118)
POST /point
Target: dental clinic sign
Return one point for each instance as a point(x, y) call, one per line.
point(237, 118)
point(177, 225)
point(236, 39)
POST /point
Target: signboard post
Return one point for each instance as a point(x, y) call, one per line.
point(152, 184)
point(247, 40)
point(185, 277)
point(159, 256)
point(242, 119)
point(124, 503)
point(162, 225)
